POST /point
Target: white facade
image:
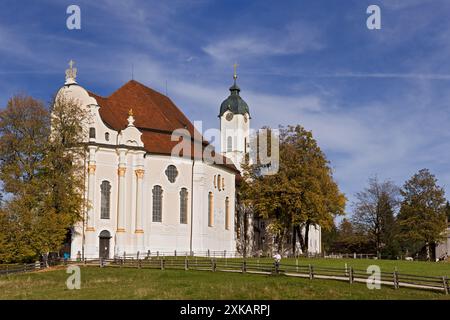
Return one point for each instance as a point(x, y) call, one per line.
point(123, 219)
point(120, 160)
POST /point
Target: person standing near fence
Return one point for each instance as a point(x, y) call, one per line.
point(277, 258)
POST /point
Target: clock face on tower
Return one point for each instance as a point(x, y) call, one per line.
point(229, 116)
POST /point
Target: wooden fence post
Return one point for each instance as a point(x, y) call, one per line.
point(244, 266)
point(350, 275)
point(311, 272)
point(186, 264)
point(162, 264)
point(445, 284)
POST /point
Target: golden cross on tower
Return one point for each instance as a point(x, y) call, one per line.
point(235, 70)
point(71, 63)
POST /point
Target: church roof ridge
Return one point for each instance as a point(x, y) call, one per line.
point(155, 115)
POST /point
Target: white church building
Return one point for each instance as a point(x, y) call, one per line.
point(141, 197)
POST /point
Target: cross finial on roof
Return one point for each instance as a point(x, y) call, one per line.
point(71, 73)
point(130, 112)
point(235, 65)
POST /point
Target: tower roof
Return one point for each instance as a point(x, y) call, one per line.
point(234, 102)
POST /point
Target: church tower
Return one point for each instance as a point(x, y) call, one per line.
point(234, 125)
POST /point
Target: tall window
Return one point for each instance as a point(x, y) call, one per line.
point(157, 204)
point(183, 205)
point(105, 189)
point(92, 133)
point(210, 209)
point(227, 213)
point(229, 144)
point(218, 182)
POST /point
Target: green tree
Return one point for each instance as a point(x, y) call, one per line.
point(422, 217)
point(374, 214)
point(329, 238)
point(350, 240)
point(41, 173)
point(301, 194)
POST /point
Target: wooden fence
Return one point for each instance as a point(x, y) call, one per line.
point(394, 279)
point(7, 269)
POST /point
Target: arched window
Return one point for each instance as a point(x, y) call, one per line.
point(210, 209)
point(183, 205)
point(227, 213)
point(105, 189)
point(229, 144)
point(107, 136)
point(171, 173)
point(157, 204)
point(219, 182)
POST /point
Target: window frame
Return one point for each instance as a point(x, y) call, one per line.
point(157, 199)
point(105, 200)
point(184, 206)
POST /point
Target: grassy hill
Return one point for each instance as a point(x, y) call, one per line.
point(128, 283)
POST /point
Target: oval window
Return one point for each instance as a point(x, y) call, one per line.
point(171, 173)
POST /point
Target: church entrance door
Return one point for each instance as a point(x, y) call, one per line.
point(104, 239)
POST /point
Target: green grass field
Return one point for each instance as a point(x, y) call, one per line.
point(408, 267)
point(128, 283)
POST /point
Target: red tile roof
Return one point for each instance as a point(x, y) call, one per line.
point(156, 116)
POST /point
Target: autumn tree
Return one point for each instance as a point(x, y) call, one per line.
point(301, 194)
point(422, 219)
point(40, 171)
point(350, 239)
point(373, 214)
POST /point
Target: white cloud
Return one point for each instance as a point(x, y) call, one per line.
point(295, 38)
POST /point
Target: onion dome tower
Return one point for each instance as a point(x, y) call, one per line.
point(234, 124)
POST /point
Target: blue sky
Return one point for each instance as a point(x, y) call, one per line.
point(378, 102)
